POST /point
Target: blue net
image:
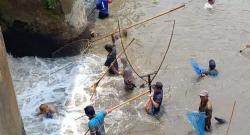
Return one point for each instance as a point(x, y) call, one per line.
point(197, 120)
point(197, 69)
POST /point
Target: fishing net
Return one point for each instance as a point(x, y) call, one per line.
point(197, 69)
point(197, 120)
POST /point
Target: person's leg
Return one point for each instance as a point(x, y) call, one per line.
point(102, 15)
point(208, 124)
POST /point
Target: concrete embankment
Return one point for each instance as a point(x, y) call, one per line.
point(10, 119)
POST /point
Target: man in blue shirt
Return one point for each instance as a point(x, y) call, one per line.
point(96, 120)
point(155, 101)
point(102, 6)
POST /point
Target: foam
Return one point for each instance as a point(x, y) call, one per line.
point(67, 89)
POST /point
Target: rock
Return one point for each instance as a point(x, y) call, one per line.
point(40, 27)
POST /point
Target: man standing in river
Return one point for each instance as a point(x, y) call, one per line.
point(206, 106)
point(154, 103)
point(102, 6)
point(127, 74)
point(96, 120)
point(111, 57)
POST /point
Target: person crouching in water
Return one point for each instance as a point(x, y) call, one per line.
point(154, 103)
point(129, 80)
point(46, 110)
point(102, 6)
point(206, 106)
point(96, 120)
point(212, 71)
point(111, 57)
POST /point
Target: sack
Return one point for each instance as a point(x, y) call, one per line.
point(148, 106)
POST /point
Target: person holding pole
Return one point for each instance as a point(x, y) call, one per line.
point(96, 120)
point(111, 49)
point(154, 103)
point(206, 106)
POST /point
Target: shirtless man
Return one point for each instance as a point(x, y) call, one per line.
point(127, 73)
point(46, 110)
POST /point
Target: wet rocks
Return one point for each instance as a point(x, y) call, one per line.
point(39, 28)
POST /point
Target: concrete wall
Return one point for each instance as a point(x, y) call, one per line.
point(10, 120)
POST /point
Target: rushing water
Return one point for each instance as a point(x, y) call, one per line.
point(202, 33)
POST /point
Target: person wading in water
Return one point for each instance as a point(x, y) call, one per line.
point(111, 49)
point(211, 71)
point(102, 6)
point(206, 106)
point(46, 110)
point(129, 80)
point(154, 103)
point(96, 120)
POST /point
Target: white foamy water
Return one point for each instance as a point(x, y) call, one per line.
point(208, 6)
point(68, 90)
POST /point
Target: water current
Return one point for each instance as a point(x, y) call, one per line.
point(217, 33)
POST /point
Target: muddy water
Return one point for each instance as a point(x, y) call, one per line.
point(217, 33)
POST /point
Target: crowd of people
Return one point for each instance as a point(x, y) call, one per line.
point(153, 105)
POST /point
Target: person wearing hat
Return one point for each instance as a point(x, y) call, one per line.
point(154, 103)
point(211, 71)
point(46, 110)
point(111, 49)
point(96, 120)
point(206, 106)
point(127, 74)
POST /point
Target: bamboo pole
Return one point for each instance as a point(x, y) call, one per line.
point(129, 100)
point(94, 86)
point(133, 25)
point(86, 132)
point(125, 102)
point(231, 118)
point(243, 49)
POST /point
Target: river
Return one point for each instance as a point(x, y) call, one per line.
point(204, 34)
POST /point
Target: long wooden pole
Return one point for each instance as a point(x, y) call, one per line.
point(86, 132)
point(231, 118)
point(120, 54)
point(129, 100)
point(125, 102)
point(133, 25)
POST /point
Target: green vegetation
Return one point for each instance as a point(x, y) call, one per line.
point(51, 4)
point(52, 9)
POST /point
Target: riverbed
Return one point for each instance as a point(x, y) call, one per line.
point(218, 33)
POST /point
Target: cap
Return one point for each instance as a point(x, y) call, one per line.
point(157, 85)
point(203, 93)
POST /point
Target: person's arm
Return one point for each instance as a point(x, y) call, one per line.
point(155, 104)
point(113, 39)
point(209, 111)
point(115, 70)
point(248, 46)
point(39, 113)
point(52, 109)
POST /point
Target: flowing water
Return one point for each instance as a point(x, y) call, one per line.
point(216, 33)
